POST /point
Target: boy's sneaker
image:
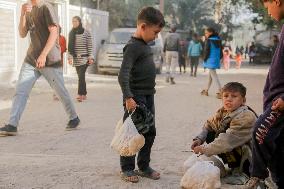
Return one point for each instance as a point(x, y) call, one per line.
point(204, 92)
point(8, 130)
point(255, 183)
point(73, 124)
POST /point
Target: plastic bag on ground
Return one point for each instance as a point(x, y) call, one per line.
point(127, 141)
point(195, 158)
point(202, 175)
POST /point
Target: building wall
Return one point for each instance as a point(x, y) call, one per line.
point(9, 43)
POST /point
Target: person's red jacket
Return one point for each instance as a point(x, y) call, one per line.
point(62, 43)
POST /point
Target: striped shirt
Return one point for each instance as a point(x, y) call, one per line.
point(83, 49)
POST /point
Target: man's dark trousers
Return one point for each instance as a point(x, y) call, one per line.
point(268, 147)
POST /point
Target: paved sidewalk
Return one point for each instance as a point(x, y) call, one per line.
point(44, 155)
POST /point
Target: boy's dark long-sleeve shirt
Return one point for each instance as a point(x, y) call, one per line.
point(274, 86)
point(137, 73)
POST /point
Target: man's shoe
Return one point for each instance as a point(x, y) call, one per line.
point(8, 130)
point(73, 124)
point(204, 92)
point(172, 81)
point(254, 183)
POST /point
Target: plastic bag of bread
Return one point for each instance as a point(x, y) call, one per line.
point(195, 158)
point(127, 141)
point(202, 175)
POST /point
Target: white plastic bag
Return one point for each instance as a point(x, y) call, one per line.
point(195, 158)
point(190, 162)
point(202, 175)
point(127, 141)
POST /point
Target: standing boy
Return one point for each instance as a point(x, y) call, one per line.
point(268, 134)
point(137, 81)
point(43, 58)
point(194, 51)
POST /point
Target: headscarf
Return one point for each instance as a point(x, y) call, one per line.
point(72, 35)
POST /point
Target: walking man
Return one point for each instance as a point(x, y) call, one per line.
point(43, 59)
point(171, 48)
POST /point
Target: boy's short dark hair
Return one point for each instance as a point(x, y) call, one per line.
point(195, 36)
point(235, 87)
point(212, 30)
point(151, 16)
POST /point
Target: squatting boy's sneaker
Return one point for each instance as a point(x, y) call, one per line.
point(8, 130)
point(73, 124)
point(254, 183)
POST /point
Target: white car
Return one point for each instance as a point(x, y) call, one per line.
point(111, 52)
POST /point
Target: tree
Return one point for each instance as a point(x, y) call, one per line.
point(263, 17)
point(123, 13)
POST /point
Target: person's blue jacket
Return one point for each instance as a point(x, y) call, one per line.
point(194, 48)
point(213, 52)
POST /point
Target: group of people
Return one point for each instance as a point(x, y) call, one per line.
point(179, 52)
point(250, 144)
point(227, 134)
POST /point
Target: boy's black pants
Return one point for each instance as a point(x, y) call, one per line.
point(194, 61)
point(81, 72)
point(268, 147)
point(143, 159)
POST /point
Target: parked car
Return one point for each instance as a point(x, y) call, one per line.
point(111, 52)
point(263, 54)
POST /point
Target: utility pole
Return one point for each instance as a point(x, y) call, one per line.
point(81, 9)
point(98, 4)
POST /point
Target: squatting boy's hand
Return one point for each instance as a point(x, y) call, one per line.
point(198, 150)
point(196, 142)
point(278, 104)
point(130, 104)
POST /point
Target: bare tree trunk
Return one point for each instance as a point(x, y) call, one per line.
point(218, 10)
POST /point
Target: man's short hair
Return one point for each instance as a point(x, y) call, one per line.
point(151, 16)
point(235, 87)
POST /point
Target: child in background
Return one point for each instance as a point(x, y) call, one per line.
point(238, 60)
point(226, 58)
